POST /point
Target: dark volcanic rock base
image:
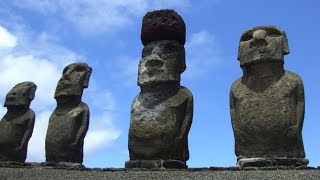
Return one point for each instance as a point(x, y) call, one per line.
point(42, 173)
point(149, 164)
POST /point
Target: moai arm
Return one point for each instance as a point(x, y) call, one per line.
point(232, 106)
point(84, 117)
point(28, 133)
point(187, 121)
point(300, 105)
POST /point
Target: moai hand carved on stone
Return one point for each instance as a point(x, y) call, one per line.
point(267, 102)
point(16, 126)
point(69, 122)
point(161, 114)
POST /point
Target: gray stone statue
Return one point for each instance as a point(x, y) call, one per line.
point(161, 114)
point(267, 103)
point(69, 122)
point(16, 126)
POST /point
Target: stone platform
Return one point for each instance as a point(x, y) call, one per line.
point(35, 172)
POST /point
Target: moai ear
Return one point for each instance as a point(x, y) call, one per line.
point(285, 44)
point(87, 76)
point(183, 65)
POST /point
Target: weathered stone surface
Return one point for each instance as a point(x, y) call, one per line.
point(69, 122)
point(267, 102)
point(163, 25)
point(16, 126)
point(41, 173)
point(161, 115)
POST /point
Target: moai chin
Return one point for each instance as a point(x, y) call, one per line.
point(69, 122)
point(161, 114)
point(267, 103)
point(16, 126)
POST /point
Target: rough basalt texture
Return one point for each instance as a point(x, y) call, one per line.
point(43, 173)
point(161, 115)
point(69, 122)
point(163, 25)
point(16, 126)
point(267, 103)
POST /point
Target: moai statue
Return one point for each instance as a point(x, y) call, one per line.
point(69, 122)
point(16, 126)
point(267, 103)
point(161, 114)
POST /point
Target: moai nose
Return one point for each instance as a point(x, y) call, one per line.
point(259, 35)
point(154, 61)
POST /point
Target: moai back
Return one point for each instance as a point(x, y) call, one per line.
point(267, 102)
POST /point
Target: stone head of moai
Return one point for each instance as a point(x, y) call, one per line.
point(267, 102)
point(69, 122)
point(16, 126)
point(75, 78)
point(21, 94)
point(161, 114)
point(262, 44)
point(163, 57)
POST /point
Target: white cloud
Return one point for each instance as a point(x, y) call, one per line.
point(7, 40)
point(202, 53)
point(39, 58)
point(98, 16)
point(201, 38)
point(101, 133)
point(36, 147)
point(125, 70)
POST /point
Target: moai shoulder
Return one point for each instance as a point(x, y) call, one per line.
point(69, 122)
point(267, 102)
point(161, 114)
point(16, 126)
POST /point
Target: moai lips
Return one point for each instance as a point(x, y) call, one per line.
point(69, 122)
point(16, 126)
point(267, 103)
point(161, 114)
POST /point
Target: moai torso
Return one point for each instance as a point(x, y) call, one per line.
point(161, 115)
point(69, 122)
point(265, 120)
point(66, 132)
point(16, 126)
point(267, 102)
point(156, 131)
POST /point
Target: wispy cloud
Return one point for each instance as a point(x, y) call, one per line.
point(103, 134)
point(7, 40)
point(202, 52)
point(39, 58)
point(98, 16)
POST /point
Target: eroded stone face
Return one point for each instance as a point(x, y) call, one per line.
point(74, 79)
point(16, 126)
point(161, 114)
point(262, 43)
point(162, 61)
point(69, 122)
point(267, 103)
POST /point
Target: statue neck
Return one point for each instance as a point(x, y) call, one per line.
point(18, 110)
point(152, 95)
point(263, 70)
point(68, 101)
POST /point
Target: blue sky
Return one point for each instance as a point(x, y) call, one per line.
point(39, 37)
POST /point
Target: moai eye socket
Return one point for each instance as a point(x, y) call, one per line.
point(246, 37)
point(273, 33)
